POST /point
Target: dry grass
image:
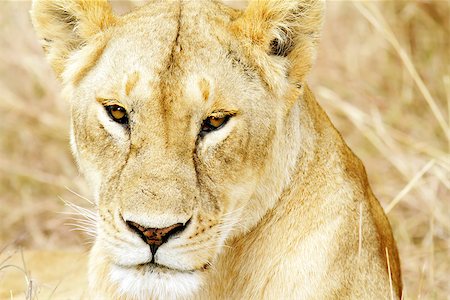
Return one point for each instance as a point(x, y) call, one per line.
point(383, 69)
point(382, 75)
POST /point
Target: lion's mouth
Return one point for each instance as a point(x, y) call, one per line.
point(154, 267)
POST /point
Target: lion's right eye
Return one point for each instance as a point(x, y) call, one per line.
point(213, 123)
point(117, 113)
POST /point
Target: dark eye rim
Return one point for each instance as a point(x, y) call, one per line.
point(110, 108)
point(207, 127)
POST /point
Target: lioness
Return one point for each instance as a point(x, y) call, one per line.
point(215, 172)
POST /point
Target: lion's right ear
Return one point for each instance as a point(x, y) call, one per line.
point(63, 26)
point(287, 29)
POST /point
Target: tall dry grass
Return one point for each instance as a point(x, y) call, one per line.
point(382, 75)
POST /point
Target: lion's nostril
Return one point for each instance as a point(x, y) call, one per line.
point(135, 226)
point(155, 237)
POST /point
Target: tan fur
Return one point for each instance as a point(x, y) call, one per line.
point(279, 206)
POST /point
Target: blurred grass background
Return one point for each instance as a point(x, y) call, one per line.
point(382, 74)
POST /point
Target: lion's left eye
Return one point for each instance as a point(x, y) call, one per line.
point(213, 123)
point(117, 113)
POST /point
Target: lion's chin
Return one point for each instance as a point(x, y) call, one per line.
point(151, 281)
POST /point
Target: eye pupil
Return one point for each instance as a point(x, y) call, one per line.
point(117, 113)
point(216, 122)
point(213, 123)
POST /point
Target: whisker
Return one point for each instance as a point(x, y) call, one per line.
point(77, 194)
point(87, 229)
point(83, 222)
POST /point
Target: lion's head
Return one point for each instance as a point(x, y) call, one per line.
point(182, 116)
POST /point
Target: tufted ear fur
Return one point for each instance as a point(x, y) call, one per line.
point(63, 26)
point(284, 28)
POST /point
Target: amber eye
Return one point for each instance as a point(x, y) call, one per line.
point(213, 123)
point(216, 122)
point(117, 113)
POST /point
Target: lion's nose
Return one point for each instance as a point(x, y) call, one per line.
point(155, 237)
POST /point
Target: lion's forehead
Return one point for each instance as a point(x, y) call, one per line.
point(166, 39)
point(177, 60)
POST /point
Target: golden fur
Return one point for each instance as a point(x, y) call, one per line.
point(277, 205)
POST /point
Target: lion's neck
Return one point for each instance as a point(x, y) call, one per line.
point(284, 157)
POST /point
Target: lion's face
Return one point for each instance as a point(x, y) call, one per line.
point(179, 117)
point(167, 164)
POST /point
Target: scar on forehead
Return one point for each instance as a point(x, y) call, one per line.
point(132, 79)
point(204, 88)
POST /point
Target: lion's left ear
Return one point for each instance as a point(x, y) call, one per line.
point(64, 26)
point(284, 28)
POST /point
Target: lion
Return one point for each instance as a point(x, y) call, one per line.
point(215, 173)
